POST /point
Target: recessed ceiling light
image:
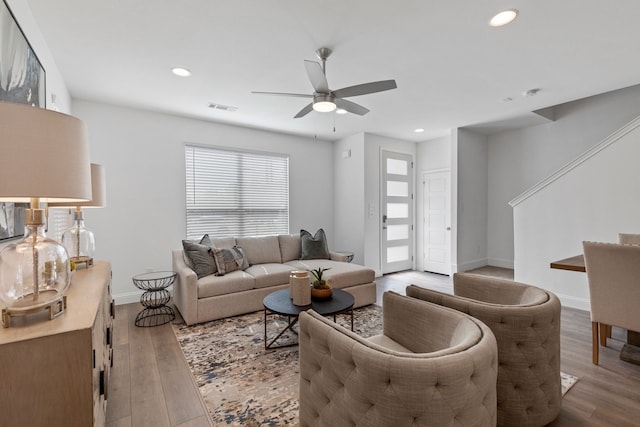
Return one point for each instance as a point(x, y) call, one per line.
point(182, 72)
point(419, 130)
point(503, 18)
point(341, 111)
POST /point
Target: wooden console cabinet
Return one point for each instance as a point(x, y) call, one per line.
point(56, 372)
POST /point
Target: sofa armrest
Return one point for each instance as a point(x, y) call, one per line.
point(185, 288)
point(339, 256)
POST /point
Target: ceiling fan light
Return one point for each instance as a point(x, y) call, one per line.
point(324, 106)
point(341, 111)
point(503, 18)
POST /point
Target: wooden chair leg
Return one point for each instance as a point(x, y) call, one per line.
point(604, 334)
point(594, 333)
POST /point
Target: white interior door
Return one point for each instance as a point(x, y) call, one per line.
point(397, 212)
point(437, 222)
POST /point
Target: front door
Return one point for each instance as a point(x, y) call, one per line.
point(397, 212)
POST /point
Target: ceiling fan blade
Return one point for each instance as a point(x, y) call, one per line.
point(299, 95)
point(306, 110)
point(365, 88)
point(316, 76)
point(351, 107)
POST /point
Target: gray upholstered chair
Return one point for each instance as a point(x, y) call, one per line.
point(526, 323)
point(432, 366)
point(613, 271)
point(628, 239)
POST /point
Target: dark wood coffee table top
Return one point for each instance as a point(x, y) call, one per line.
point(280, 302)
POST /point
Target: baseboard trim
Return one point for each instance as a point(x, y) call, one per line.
point(503, 263)
point(470, 265)
point(127, 297)
point(573, 302)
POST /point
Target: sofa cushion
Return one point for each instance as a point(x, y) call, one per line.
point(260, 250)
point(222, 242)
point(236, 281)
point(267, 275)
point(228, 260)
point(200, 258)
point(340, 275)
point(314, 247)
point(289, 246)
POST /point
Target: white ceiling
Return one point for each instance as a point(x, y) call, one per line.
point(452, 69)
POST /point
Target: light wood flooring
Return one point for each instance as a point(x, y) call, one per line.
point(151, 384)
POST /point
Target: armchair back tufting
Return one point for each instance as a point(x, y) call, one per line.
point(347, 380)
point(526, 323)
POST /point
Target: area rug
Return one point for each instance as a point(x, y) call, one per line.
point(244, 385)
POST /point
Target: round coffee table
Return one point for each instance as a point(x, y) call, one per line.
point(280, 303)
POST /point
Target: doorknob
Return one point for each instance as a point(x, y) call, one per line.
point(448, 228)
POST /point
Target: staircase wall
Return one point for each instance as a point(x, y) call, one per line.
point(594, 197)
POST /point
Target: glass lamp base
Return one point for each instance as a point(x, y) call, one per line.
point(82, 260)
point(55, 307)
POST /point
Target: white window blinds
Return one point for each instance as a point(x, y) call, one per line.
point(235, 193)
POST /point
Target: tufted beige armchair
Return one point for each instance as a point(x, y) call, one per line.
point(526, 323)
point(432, 366)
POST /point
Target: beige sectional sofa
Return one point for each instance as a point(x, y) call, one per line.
point(271, 260)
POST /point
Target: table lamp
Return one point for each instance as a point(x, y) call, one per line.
point(44, 157)
point(78, 241)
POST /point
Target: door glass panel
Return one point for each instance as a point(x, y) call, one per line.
point(397, 253)
point(397, 210)
point(397, 232)
point(397, 188)
point(396, 167)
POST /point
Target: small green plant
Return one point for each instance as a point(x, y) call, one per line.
point(319, 282)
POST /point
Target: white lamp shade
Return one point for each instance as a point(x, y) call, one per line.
point(43, 154)
point(98, 191)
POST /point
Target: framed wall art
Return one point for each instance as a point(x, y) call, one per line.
point(23, 81)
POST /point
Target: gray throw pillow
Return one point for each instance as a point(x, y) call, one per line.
point(200, 256)
point(228, 260)
point(314, 247)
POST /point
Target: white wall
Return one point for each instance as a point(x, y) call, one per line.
point(520, 158)
point(374, 144)
point(431, 155)
point(348, 196)
point(143, 155)
point(472, 191)
point(594, 200)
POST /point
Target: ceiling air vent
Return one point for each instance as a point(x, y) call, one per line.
point(222, 107)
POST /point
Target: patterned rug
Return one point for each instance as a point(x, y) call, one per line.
point(244, 385)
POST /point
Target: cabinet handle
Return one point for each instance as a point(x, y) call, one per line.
point(108, 336)
point(94, 358)
point(103, 381)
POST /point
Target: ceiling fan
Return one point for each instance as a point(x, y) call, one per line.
point(325, 99)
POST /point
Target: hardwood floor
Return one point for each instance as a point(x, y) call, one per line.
point(151, 384)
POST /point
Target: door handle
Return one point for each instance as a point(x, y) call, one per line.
point(384, 218)
point(448, 228)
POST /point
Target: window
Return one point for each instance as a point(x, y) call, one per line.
point(236, 193)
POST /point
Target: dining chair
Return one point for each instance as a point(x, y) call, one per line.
point(613, 271)
point(628, 239)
